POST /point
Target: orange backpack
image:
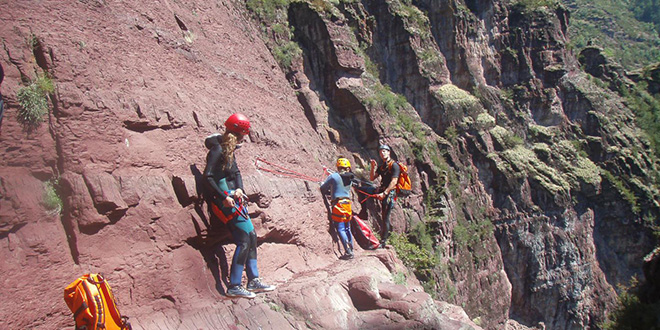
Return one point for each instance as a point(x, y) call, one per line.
point(90, 299)
point(404, 185)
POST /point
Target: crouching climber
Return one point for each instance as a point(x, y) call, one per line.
point(339, 185)
point(229, 205)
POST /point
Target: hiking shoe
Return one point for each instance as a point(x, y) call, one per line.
point(256, 285)
point(382, 245)
point(347, 256)
point(239, 292)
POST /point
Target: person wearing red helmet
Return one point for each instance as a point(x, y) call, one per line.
point(224, 180)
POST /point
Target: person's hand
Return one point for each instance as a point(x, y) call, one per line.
point(381, 196)
point(240, 194)
point(372, 163)
point(229, 202)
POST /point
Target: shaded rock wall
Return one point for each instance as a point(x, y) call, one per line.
point(522, 166)
point(138, 87)
point(536, 149)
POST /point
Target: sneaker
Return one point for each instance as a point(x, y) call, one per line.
point(256, 285)
point(382, 245)
point(239, 292)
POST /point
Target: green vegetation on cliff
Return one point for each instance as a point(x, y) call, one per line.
point(33, 100)
point(632, 313)
point(613, 25)
point(647, 11)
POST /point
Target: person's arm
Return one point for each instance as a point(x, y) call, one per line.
point(325, 186)
point(372, 171)
point(212, 159)
point(236, 172)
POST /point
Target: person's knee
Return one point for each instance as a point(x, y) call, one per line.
point(252, 253)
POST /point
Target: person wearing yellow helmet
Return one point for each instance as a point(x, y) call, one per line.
point(339, 184)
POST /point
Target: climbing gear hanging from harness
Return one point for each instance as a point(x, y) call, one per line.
point(240, 210)
point(281, 170)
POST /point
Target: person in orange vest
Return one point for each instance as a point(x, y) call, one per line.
point(229, 201)
point(388, 170)
point(339, 184)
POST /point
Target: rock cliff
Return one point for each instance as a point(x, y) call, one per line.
point(533, 190)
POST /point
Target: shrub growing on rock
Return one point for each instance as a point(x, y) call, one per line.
point(33, 100)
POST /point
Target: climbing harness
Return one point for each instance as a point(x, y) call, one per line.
point(280, 170)
point(240, 210)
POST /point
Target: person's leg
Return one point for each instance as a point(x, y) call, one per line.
point(387, 206)
point(341, 230)
point(347, 227)
point(242, 240)
point(254, 282)
point(251, 270)
point(349, 236)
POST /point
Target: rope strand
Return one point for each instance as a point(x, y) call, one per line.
point(283, 171)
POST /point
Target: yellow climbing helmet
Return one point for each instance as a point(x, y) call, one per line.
point(343, 162)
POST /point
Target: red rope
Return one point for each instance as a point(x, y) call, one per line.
point(283, 171)
point(293, 174)
point(366, 194)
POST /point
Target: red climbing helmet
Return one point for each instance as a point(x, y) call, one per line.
point(238, 123)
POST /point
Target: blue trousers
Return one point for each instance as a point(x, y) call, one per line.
point(344, 231)
point(245, 238)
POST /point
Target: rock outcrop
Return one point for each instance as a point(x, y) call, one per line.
point(531, 184)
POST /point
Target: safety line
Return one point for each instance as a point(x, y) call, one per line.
point(283, 171)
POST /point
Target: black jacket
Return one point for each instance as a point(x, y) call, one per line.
point(213, 172)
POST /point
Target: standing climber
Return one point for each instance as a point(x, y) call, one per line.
point(389, 171)
point(229, 205)
point(339, 186)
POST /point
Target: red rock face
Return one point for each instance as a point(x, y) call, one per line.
point(138, 87)
point(517, 226)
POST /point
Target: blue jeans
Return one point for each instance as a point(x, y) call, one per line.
point(344, 230)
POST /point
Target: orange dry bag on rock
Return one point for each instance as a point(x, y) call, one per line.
point(93, 305)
